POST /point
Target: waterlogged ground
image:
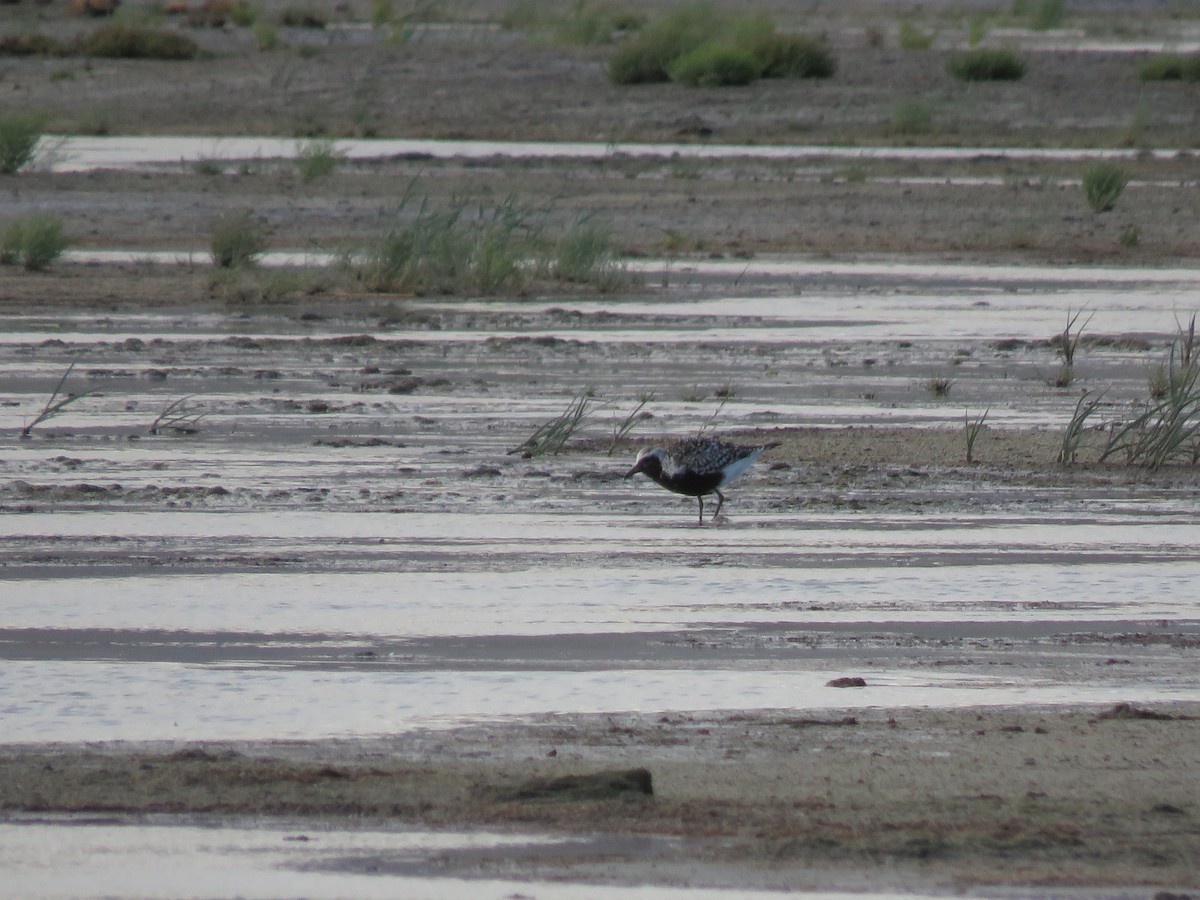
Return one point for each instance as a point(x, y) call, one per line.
point(339, 513)
point(322, 634)
point(336, 544)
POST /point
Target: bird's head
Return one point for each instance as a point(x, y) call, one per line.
point(649, 462)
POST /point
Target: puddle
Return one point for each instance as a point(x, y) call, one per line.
point(48, 858)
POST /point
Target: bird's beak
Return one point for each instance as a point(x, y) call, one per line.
point(636, 468)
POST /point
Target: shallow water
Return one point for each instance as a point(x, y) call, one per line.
point(334, 551)
point(72, 153)
point(54, 857)
point(322, 557)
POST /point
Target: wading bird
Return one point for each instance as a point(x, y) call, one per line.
point(697, 466)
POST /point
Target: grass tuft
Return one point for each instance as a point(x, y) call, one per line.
point(911, 117)
point(701, 45)
point(971, 430)
point(939, 386)
point(714, 65)
point(461, 248)
point(551, 437)
point(317, 158)
point(176, 417)
point(238, 240)
point(33, 242)
point(137, 42)
point(56, 404)
point(987, 64)
point(622, 428)
point(912, 37)
point(1171, 67)
point(1085, 407)
point(1103, 183)
point(19, 136)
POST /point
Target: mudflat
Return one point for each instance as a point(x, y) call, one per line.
point(1076, 797)
point(912, 799)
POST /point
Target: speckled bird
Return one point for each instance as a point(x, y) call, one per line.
point(697, 466)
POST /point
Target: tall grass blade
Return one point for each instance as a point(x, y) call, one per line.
point(56, 404)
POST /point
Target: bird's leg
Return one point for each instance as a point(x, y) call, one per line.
point(720, 500)
point(700, 500)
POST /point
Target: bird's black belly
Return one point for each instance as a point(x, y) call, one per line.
point(693, 484)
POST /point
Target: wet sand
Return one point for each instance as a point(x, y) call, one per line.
point(912, 799)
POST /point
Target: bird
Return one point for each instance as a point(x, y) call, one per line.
point(697, 466)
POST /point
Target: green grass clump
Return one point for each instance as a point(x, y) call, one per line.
point(1171, 67)
point(462, 249)
point(1103, 184)
point(136, 42)
point(911, 37)
point(33, 242)
point(1048, 14)
point(303, 17)
point(552, 436)
point(243, 15)
point(19, 136)
point(987, 64)
point(911, 117)
point(450, 251)
point(584, 254)
point(699, 44)
point(317, 158)
point(238, 240)
point(31, 44)
point(791, 55)
point(714, 65)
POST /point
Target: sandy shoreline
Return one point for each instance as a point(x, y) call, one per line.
point(912, 798)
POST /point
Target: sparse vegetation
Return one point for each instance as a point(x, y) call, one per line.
point(462, 248)
point(912, 37)
point(238, 240)
point(714, 65)
point(1103, 183)
point(19, 136)
point(987, 64)
point(55, 405)
point(551, 437)
point(911, 117)
point(1067, 346)
point(30, 44)
point(303, 17)
point(584, 253)
point(699, 44)
point(977, 29)
point(1171, 67)
point(1085, 407)
point(317, 158)
point(622, 428)
point(971, 430)
point(33, 242)
point(581, 23)
point(177, 418)
point(1046, 15)
point(1162, 430)
point(265, 35)
point(138, 42)
point(939, 386)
